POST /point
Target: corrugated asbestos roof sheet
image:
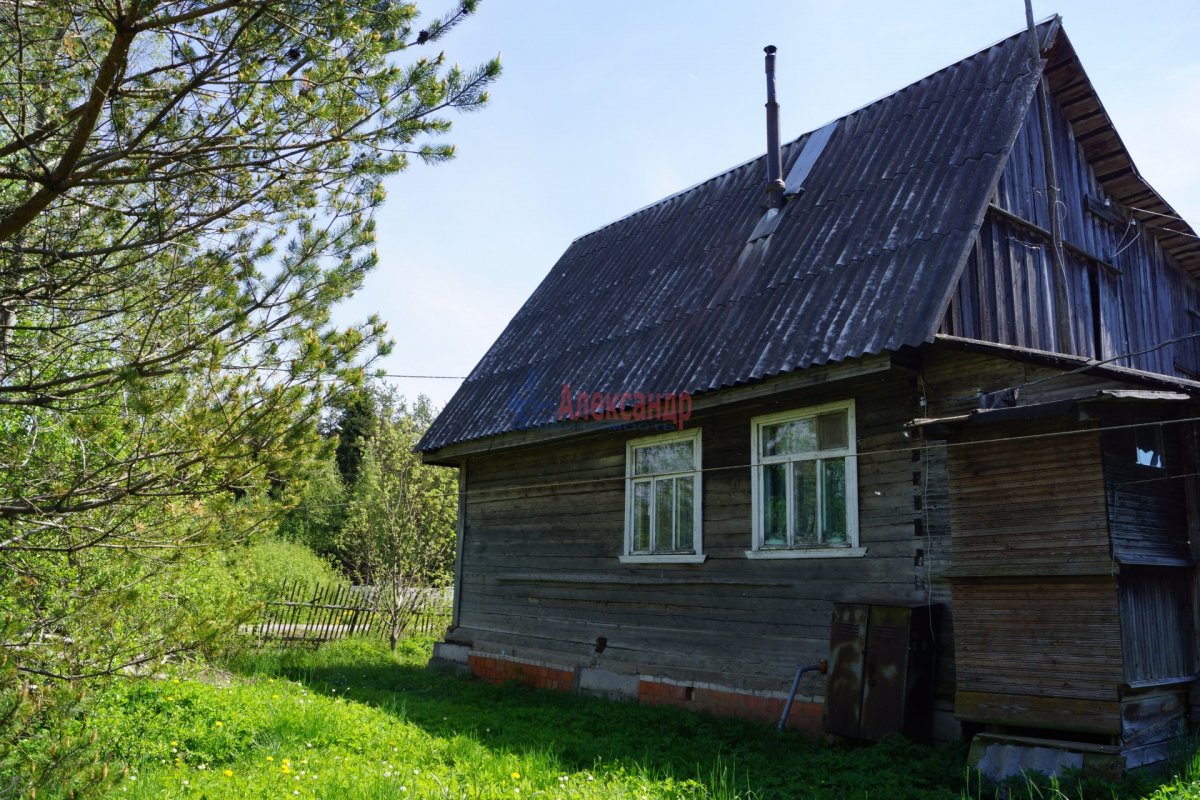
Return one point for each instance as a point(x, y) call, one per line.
point(672, 299)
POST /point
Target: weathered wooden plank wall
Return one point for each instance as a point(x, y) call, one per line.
point(954, 377)
point(544, 527)
point(1147, 510)
point(1038, 634)
point(1025, 508)
point(1146, 506)
point(1156, 623)
point(1071, 569)
point(1126, 293)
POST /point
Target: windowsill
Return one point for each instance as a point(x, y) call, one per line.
point(1153, 682)
point(665, 558)
point(807, 552)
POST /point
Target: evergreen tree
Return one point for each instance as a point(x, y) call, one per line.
point(186, 189)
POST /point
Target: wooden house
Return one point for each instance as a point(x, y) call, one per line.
point(735, 426)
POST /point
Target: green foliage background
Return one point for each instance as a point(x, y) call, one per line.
point(371, 506)
point(186, 191)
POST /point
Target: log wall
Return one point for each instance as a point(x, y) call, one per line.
point(543, 529)
point(1012, 527)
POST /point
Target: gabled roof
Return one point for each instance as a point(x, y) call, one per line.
point(1114, 167)
point(688, 294)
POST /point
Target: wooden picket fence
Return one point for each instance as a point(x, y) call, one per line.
point(314, 613)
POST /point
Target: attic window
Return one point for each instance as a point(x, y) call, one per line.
point(1148, 446)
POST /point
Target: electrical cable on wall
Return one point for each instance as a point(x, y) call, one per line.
point(1100, 362)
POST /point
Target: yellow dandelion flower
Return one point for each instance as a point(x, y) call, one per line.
point(270, 758)
point(228, 773)
point(516, 776)
point(218, 724)
point(174, 743)
point(170, 697)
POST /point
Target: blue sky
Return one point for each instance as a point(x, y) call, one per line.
point(606, 107)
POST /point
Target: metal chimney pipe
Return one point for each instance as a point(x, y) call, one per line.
point(775, 185)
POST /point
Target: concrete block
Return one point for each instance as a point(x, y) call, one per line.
point(451, 652)
point(1000, 760)
point(946, 727)
point(450, 658)
point(612, 685)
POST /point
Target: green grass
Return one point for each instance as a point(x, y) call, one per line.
point(349, 721)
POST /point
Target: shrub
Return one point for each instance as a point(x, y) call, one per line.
point(273, 561)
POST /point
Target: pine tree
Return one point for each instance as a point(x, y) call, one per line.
point(186, 189)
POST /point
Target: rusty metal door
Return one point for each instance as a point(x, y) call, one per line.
point(886, 672)
point(844, 687)
point(881, 669)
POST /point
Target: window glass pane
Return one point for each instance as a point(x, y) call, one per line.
point(641, 517)
point(685, 512)
point(1149, 458)
point(774, 507)
point(833, 475)
point(664, 515)
point(666, 457)
point(832, 431)
point(1149, 443)
point(805, 494)
point(789, 438)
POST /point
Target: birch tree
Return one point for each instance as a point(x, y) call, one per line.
point(399, 532)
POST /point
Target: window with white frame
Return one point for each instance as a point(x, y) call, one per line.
point(662, 498)
point(804, 483)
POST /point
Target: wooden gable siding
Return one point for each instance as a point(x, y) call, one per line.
point(544, 527)
point(1133, 301)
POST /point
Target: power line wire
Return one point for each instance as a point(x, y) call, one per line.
point(282, 368)
point(1169, 230)
point(422, 377)
point(923, 446)
point(1103, 361)
point(1157, 213)
point(1092, 363)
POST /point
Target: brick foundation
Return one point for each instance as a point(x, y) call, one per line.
point(501, 670)
point(805, 716)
